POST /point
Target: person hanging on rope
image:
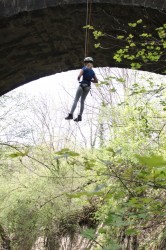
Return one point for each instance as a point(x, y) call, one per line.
point(88, 76)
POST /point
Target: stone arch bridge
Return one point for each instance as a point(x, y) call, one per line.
point(43, 37)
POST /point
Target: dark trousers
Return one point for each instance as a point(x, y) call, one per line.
point(81, 92)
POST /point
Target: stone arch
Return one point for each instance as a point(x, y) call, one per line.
point(40, 38)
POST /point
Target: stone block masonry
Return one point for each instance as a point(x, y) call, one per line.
point(44, 37)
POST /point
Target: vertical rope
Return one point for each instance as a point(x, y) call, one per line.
point(88, 22)
point(86, 34)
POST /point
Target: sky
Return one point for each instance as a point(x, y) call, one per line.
point(58, 92)
point(51, 85)
point(61, 88)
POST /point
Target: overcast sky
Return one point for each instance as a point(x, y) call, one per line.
point(61, 88)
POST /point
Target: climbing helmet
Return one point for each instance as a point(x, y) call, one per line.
point(88, 59)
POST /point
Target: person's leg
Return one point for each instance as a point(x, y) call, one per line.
point(77, 96)
point(83, 97)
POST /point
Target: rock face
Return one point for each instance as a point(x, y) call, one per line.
point(43, 37)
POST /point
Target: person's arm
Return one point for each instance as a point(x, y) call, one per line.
point(80, 74)
point(95, 80)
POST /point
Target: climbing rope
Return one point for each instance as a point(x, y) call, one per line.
point(88, 22)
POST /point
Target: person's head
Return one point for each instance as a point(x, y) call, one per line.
point(88, 61)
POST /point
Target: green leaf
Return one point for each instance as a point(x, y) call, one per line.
point(151, 161)
point(131, 232)
point(112, 246)
point(14, 155)
point(120, 37)
point(132, 44)
point(142, 216)
point(67, 152)
point(18, 154)
point(88, 27)
point(145, 35)
point(89, 233)
point(89, 163)
point(109, 149)
point(132, 25)
point(112, 90)
point(164, 44)
point(62, 151)
point(97, 45)
point(97, 34)
point(121, 79)
point(131, 36)
point(135, 65)
point(72, 153)
point(117, 58)
point(102, 230)
point(139, 21)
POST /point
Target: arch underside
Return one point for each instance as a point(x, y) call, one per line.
point(39, 43)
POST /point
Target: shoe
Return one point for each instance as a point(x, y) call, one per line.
point(69, 117)
point(78, 119)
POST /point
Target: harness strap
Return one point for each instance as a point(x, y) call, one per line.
point(83, 87)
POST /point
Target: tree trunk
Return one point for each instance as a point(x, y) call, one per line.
point(162, 245)
point(5, 239)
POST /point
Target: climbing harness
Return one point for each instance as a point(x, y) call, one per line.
point(88, 22)
point(84, 84)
